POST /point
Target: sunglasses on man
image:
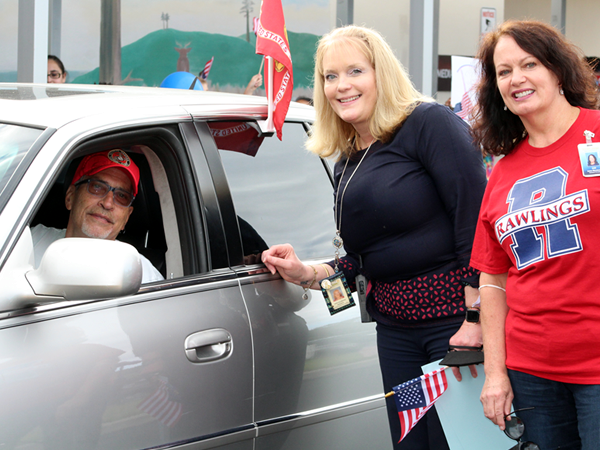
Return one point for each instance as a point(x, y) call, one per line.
point(99, 188)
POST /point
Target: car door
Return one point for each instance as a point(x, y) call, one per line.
point(317, 376)
point(170, 366)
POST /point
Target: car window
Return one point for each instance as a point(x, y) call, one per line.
point(282, 192)
point(156, 207)
point(15, 141)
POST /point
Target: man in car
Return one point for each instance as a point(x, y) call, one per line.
point(99, 200)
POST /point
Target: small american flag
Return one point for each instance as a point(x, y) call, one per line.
point(415, 397)
point(466, 106)
point(160, 407)
point(255, 25)
point(206, 70)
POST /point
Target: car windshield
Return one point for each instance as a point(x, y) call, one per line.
point(15, 142)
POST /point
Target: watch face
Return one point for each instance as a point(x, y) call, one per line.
point(473, 315)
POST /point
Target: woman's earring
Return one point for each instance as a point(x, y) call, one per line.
point(505, 108)
point(561, 91)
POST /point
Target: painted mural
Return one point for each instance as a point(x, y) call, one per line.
point(160, 36)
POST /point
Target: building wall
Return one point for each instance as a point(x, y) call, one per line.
point(460, 26)
point(460, 21)
point(581, 19)
point(528, 9)
point(582, 25)
point(391, 18)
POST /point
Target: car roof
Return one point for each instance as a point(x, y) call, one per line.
point(54, 105)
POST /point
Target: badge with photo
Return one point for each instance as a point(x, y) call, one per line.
point(589, 156)
point(337, 293)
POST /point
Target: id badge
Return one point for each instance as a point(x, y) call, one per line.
point(337, 293)
point(589, 157)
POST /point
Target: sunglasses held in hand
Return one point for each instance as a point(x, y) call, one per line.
point(514, 429)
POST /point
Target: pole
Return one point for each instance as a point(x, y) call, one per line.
point(271, 69)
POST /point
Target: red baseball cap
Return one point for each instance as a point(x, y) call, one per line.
point(97, 162)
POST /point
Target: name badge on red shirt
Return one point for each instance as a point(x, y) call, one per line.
point(589, 156)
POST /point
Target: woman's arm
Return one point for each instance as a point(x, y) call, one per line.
point(469, 334)
point(283, 259)
point(497, 394)
point(447, 152)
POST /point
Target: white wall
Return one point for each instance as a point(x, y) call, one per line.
point(460, 24)
point(581, 27)
point(529, 9)
point(390, 18)
point(458, 32)
point(581, 19)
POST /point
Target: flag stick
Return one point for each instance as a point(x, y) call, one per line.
point(261, 65)
point(271, 69)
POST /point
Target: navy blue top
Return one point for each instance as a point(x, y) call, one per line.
point(411, 208)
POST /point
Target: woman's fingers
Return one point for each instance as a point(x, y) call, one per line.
point(496, 398)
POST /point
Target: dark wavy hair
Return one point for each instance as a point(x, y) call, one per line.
point(57, 60)
point(498, 131)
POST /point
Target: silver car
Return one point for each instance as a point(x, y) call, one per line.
point(221, 354)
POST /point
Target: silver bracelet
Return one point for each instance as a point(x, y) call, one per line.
point(305, 295)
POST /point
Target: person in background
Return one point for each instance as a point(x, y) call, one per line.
point(594, 63)
point(408, 184)
point(56, 70)
point(304, 100)
point(254, 83)
point(537, 238)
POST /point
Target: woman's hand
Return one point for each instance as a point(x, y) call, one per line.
point(283, 259)
point(468, 335)
point(497, 397)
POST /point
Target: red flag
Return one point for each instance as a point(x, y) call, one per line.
point(206, 70)
point(415, 397)
point(272, 41)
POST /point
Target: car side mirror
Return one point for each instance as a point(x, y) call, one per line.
point(71, 269)
point(86, 269)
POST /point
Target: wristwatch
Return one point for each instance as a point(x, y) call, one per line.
point(473, 315)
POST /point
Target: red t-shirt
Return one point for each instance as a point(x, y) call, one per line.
point(540, 222)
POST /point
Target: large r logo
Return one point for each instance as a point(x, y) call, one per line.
point(531, 195)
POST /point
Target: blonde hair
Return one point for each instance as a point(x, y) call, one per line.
point(396, 95)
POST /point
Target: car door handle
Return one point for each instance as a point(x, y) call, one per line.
point(208, 345)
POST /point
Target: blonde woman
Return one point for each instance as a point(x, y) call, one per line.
point(408, 184)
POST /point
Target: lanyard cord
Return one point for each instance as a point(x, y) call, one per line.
point(337, 241)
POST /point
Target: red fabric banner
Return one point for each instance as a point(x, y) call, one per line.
point(272, 40)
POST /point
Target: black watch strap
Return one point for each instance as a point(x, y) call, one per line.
point(472, 315)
